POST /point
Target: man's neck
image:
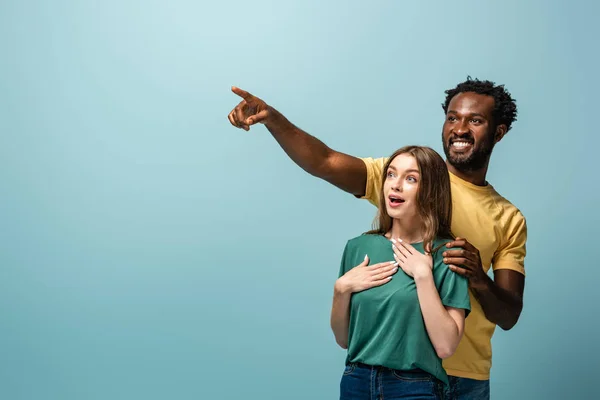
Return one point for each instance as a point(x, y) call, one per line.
point(476, 177)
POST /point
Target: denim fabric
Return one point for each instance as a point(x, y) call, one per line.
point(467, 389)
point(363, 382)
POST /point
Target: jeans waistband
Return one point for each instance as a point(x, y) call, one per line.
point(412, 371)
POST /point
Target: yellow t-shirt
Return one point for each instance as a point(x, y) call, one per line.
point(499, 231)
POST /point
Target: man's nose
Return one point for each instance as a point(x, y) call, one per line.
point(462, 128)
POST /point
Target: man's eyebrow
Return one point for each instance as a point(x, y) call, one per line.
point(470, 115)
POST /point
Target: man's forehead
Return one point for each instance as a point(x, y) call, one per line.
point(469, 102)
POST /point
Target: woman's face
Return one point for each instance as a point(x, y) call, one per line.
point(400, 187)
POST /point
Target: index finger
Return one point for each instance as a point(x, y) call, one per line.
point(242, 93)
point(405, 245)
point(460, 242)
point(458, 253)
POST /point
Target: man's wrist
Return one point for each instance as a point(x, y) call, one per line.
point(274, 119)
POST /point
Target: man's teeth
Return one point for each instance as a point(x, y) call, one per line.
point(461, 144)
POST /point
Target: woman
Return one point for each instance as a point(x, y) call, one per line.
point(397, 331)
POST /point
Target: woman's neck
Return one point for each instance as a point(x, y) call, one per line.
point(408, 231)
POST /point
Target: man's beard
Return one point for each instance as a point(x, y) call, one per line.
point(475, 160)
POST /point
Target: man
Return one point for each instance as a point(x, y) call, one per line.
point(491, 232)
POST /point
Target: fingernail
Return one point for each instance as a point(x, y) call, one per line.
point(396, 264)
point(394, 246)
point(391, 262)
point(400, 240)
point(393, 241)
point(365, 257)
point(445, 260)
point(395, 269)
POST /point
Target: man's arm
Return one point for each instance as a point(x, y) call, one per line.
point(501, 298)
point(309, 153)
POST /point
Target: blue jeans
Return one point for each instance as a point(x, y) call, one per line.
point(365, 382)
point(467, 389)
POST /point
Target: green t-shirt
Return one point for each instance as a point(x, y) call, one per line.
point(386, 325)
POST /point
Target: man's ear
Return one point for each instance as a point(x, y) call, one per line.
point(500, 132)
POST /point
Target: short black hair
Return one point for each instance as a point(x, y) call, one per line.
point(505, 108)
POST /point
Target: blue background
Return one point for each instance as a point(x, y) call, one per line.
point(149, 250)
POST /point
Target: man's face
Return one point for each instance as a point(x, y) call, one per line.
point(468, 132)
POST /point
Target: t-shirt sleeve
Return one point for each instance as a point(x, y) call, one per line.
point(452, 287)
point(343, 268)
point(511, 252)
point(374, 179)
